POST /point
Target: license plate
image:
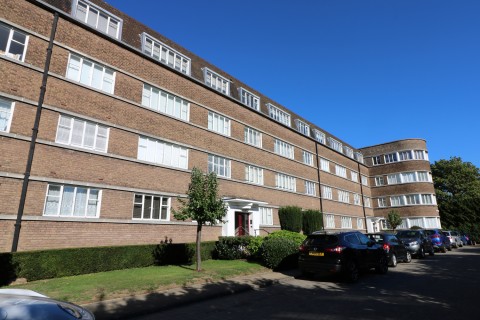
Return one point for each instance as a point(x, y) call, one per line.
point(316, 254)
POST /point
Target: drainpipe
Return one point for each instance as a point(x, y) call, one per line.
point(318, 177)
point(33, 141)
point(361, 192)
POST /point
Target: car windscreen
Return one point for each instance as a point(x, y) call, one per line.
point(321, 240)
point(408, 234)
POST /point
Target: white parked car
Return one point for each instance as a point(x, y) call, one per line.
point(20, 304)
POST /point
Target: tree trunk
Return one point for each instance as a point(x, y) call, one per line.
point(199, 241)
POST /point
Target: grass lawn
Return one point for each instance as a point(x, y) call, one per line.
point(113, 284)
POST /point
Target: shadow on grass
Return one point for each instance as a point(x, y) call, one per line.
point(136, 306)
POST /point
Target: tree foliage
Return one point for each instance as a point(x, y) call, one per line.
point(202, 205)
point(394, 219)
point(457, 186)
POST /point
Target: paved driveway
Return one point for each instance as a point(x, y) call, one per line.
point(441, 287)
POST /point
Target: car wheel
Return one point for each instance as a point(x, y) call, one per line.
point(382, 267)
point(432, 252)
point(393, 260)
point(408, 259)
point(421, 253)
point(444, 249)
point(352, 272)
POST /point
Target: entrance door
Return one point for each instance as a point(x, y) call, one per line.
point(241, 224)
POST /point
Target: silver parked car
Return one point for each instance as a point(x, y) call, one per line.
point(454, 237)
point(20, 304)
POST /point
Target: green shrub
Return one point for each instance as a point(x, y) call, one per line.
point(279, 253)
point(45, 264)
point(285, 234)
point(290, 218)
point(232, 248)
point(254, 248)
point(312, 221)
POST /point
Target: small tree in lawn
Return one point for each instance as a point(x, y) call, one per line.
point(202, 205)
point(394, 219)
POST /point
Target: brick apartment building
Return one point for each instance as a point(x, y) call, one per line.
point(126, 114)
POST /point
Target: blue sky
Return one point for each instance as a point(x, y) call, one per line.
point(368, 71)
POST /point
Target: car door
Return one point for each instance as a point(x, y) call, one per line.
point(371, 250)
point(398, 247)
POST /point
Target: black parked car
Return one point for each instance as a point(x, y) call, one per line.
point(393, 246)
point(345, 253)
point(417, 242)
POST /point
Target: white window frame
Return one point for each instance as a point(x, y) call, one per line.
point(335, 144)
point(360, 224)
point(67, 134)
point(356, 199)
point(354, 176)
point(249, 99)
point(394, 178)
point(397, 201)
point(420, 155)
point(165, 103)
point(285, 182)
point(324, 165)
point(379, 181)
point(405, 155)
point(218, 123)
point(348, 151)
point(284, 149)
point(220, 165)
point(424, 176)
point(319, 136)
point(343, 196)
point(254, 175)
point(307, 158)
point(358, 156)
point(329, 221)
point(7, 115)
point(364, 180)
point(376, 160)
point(302, 127)
point(216, 81)
point(266, 216)
point(142, 205)
point(60, 200)
point(340, 171)
point(310, 188)
point(162, 153)
point(327, 192)
point(79, 74)
point(382, 202)
point(367, 202)
point(346, 222)
point(391, 157)
point(253, 137)
point(91, 7)
point(412, 199)
point(12, 34)
point(165, 54)
point(279, 115)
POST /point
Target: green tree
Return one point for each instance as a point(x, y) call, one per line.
point(394, 219)
point(457, 186)
point(202, 205)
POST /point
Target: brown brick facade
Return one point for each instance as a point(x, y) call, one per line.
point(119, 175)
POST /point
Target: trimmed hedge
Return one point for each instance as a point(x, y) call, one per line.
point(46, 264)
point(296, 237)
point(312, 221)
point(290, 218)
point(279, 253)
point(182, 253)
